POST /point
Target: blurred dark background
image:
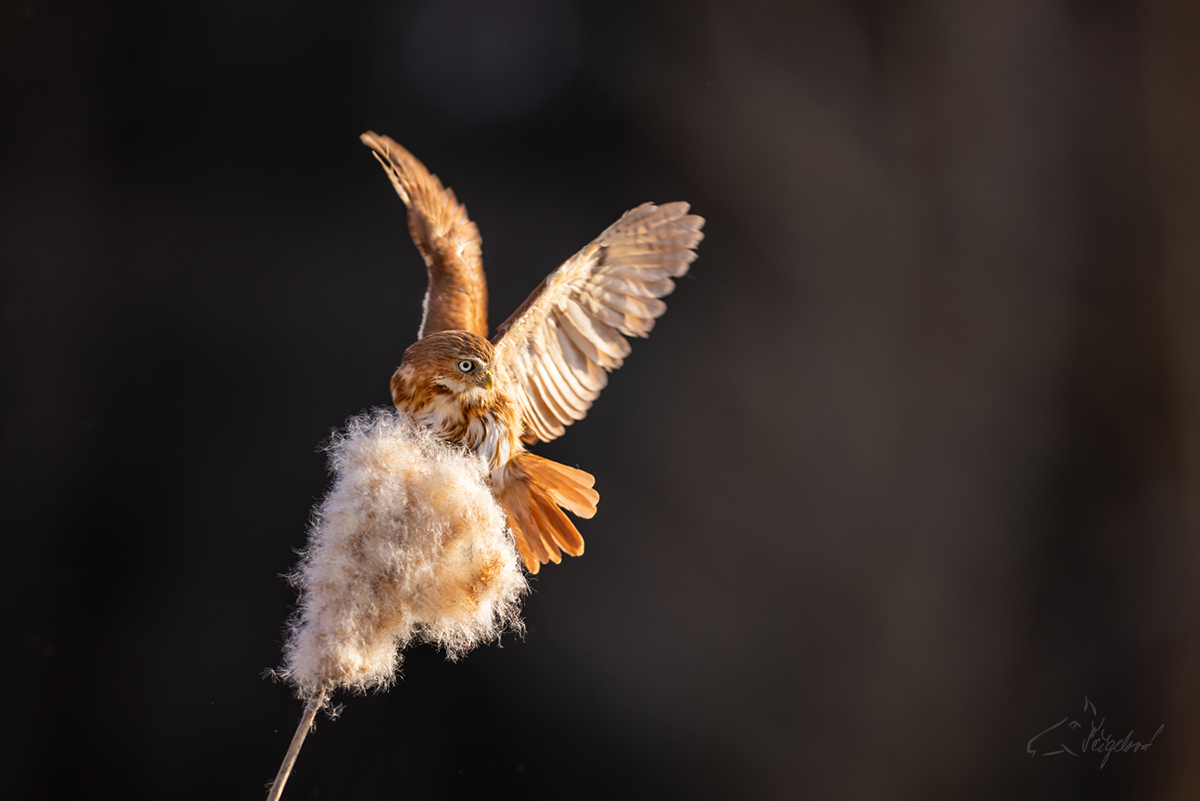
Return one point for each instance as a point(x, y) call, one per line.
point(911, 467)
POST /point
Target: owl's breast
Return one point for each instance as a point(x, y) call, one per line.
point(485, 424)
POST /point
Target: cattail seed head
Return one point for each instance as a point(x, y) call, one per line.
point(408, 545)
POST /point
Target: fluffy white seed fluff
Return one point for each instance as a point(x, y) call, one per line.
point(409, 544)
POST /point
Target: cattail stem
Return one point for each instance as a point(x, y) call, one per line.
point(289, 759)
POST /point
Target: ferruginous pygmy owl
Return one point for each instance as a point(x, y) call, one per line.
point(545, 364)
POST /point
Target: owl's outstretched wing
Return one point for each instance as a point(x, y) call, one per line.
point(446, 238)
point(558, 347)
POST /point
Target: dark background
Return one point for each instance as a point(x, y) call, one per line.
point(911, 467)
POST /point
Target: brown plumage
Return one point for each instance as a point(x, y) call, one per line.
point(546, 364)
point(445, 236)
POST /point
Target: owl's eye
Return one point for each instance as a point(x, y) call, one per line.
point(466, 365)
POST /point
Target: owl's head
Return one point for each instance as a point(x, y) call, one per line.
point(459, 361)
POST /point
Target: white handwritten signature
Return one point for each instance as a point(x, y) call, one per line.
point(1097, 740)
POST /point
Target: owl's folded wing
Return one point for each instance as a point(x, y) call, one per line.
point(558, 347)
point(446, 237)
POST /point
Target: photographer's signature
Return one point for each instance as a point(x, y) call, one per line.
point(1097, 740)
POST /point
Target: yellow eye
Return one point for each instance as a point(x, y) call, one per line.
point(466, 365)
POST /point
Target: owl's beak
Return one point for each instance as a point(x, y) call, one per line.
point(488, 380)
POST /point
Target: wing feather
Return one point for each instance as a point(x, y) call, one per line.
point(564, 396)
point(588, 372)
point(590, 350)
point(579, 395)
point(549, 394)
point(541, 416)
point(600, 334)
point(649, 273)
point(605, 314)
point(447, 239)
point(633, 305)
point(559, 346)
point(628, 286)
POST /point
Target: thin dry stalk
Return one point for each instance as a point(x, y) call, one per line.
point(289, 759)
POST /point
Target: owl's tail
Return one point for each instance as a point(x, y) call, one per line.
point(532, 491)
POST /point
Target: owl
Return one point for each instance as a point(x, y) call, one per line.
point(546, 364)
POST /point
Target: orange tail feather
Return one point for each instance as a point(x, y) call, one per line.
point(533, 490)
